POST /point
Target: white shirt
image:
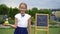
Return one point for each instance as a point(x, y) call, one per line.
point(22, 21)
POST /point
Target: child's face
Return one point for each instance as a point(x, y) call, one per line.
point(22, 8)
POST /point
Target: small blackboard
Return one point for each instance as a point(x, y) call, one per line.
point(42, 19)
point(42, 23)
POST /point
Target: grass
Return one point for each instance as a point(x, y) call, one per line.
point(11, 31)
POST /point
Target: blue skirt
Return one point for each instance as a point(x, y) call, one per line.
point(20, 30)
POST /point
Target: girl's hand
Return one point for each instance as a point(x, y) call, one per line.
point(12, 25)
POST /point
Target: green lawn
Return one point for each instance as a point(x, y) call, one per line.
point(11, 31)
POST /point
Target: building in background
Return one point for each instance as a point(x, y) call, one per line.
point(56, 14)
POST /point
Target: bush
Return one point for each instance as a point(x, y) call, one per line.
point(11, 21)
point(32, 20)
point(53, 23)
point(1, 20)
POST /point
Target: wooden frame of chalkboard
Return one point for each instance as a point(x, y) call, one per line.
point(43, 26)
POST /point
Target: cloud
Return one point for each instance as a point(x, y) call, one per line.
point(33, 3)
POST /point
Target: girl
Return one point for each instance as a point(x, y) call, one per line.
point(22, 20)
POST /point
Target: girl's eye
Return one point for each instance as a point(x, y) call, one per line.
point(22, 8)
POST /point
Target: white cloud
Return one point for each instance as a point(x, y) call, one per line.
point(33, 3)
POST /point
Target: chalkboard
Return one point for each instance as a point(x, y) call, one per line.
point(42, 20)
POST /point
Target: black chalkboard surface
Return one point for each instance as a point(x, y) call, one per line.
point(42, 20)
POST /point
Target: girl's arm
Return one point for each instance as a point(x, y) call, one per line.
point(29, 26)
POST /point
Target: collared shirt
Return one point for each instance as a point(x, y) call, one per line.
point(22, 20)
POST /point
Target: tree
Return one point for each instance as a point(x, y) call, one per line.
point(13, 11)
point(10, 12)
point(3, 9)
point(34, 11)
point(45, 11)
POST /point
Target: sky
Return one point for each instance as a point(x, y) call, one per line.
point(33, 3)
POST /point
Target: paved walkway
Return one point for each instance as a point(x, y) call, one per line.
point(2, 26)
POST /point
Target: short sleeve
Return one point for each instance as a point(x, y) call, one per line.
point(29, 16)
point(16, 16)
